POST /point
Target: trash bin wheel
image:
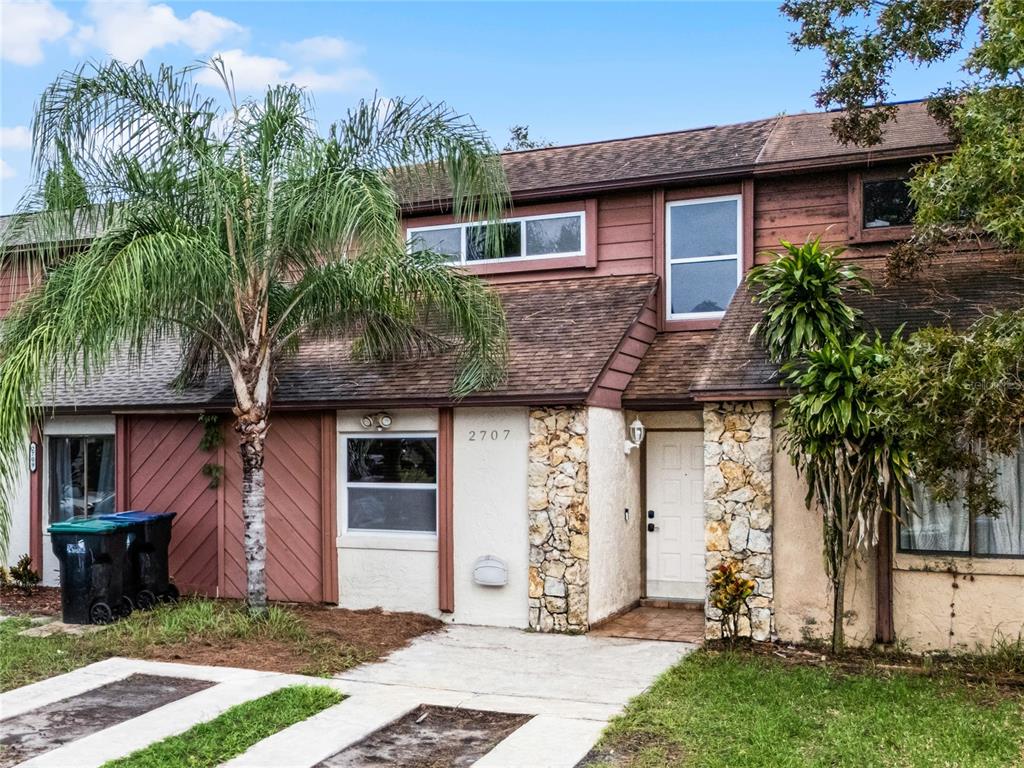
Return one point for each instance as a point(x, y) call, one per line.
point(100, 613)
point(126, 607)
point(171, 595)
point(145, 600)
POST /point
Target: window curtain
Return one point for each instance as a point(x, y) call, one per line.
point(1004, 535)
point(62, 491)
point(947, 527)
point(934, 527)
point(103, 499)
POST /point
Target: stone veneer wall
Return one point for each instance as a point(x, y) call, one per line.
point(738, 506)
point(559, 520)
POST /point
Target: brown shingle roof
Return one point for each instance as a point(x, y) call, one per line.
point(562, 333)
point(721, 150)
point(667, 370)
point(800, 138)
point(954, 291)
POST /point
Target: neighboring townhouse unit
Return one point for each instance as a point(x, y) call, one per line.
point(632, 446)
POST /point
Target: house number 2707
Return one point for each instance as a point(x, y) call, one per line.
point(480, 435)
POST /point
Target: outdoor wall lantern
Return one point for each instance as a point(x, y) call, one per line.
point(636, 434)
point(378, 421)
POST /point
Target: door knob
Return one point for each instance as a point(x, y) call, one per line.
point(652, 527)
point(650, 514)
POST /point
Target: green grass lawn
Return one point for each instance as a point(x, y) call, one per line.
point(739, 711)
point(187, 625)
point(234, 731)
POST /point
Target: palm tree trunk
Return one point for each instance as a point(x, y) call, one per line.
point(252, 429)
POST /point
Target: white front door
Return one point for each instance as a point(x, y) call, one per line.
point(674, 518)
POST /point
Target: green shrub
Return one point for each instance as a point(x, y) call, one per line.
point(23, 575)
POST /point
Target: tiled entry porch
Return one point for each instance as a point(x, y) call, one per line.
point(675, 624)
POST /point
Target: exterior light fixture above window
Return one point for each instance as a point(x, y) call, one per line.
point(378, 421)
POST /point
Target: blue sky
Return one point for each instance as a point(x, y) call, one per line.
point(572, 71)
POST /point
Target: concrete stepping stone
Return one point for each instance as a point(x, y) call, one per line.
point(50, 727)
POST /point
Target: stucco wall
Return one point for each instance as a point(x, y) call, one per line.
point(957, 603)
point(614, 541)
point(803, 600)
point(18, 535)
point(396, 572)
point(929, 613)
point(489, 512)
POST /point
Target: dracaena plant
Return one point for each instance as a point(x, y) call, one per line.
point(802, 290)
point(834, 428)
point(236, 230)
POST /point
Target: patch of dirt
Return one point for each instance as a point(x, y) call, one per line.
point(54, 725)
point(338, 640)
point(375, 629)
point(430, 737)
point(37, 601)
point(626, 751)
point(1007, 678)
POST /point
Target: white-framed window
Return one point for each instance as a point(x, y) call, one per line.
point(81, 475)
point(551, 235)
point(390, 484)
point(703, 254)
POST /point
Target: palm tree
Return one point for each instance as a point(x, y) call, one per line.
point(240, 232)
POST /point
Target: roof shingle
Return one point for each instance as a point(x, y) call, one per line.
point(955, 290)
point(667, 370)
point(562, 333)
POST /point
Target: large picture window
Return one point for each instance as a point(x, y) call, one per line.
point(526, 237)
point(951, 529)
point(81, 475)
point(391, 484)
point(703, 247)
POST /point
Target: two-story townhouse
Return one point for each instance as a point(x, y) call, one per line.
point(632, 446)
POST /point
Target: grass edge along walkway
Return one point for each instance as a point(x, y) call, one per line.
point(233, 731)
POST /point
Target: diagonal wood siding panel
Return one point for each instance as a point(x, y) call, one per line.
point(294, 511)
point(164, 474)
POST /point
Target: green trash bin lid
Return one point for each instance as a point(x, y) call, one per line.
point(84, 525)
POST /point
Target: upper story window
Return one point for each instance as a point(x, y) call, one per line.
point(703, 249)
point(950, 529)
point(525, 237)
point(886, 203)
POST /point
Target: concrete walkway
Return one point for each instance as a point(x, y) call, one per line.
point(570, 686)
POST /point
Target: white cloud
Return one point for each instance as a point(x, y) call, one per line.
point(15, 137)
point(322, 48)
point(24, 27)
point(6, 172)
point(254, 73)
point(130, 29)
point(250, 72)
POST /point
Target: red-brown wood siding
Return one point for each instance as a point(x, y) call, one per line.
point(329, 504)
point(163, 471)
point(294, 509)
point(160, 467)
point(612, 382)
point(793, 207)
point(14, 283)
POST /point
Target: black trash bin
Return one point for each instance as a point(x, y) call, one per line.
point(148, 554)
point(92, 554)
